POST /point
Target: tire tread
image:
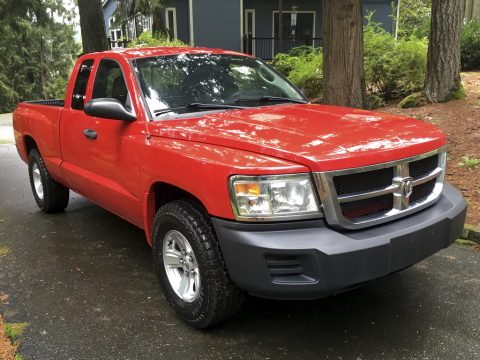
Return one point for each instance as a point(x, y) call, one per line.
point(55, 195)
point(226, 299)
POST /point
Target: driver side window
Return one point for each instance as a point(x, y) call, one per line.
point(110, 82)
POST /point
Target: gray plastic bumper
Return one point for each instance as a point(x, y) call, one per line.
point(308, 260)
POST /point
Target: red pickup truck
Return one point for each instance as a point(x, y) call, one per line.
point(240, 184)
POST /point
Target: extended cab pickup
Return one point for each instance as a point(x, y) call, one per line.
point(240, 184)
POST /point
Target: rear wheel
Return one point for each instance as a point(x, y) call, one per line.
point(190, 266)
point(49, 194)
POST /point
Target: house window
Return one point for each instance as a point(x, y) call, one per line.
point(171, 22)
point(249, 29)
point(299, 24)
point(249, 22)
point(115, 34)
point(142, 23)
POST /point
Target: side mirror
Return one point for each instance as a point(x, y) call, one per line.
point(108, 108)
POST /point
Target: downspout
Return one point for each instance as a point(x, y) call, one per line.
point(398, 20)
point(190, 3)
point(242, 11)
point(280, 27)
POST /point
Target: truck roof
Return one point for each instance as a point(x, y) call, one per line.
point(168, 50)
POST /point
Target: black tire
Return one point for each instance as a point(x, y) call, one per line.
point(50, 195)
point(216, 299)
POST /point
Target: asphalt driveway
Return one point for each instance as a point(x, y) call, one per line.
point(84, 281)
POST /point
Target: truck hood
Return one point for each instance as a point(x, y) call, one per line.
point(321, 137)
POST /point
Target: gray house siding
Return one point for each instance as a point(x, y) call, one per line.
point(108, 10)
point(216, 24)
point(383, 11)
point(264, 13)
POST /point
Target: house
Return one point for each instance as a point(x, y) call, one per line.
point(246, 25)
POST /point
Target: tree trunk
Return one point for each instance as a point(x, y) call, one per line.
point(343, 75)
point(92, 24)
point(158, 25)
point(442, 79)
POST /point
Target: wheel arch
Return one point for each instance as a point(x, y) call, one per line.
point(30, 143)
point(159, 194)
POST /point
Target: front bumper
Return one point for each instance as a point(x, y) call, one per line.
point(309, 260)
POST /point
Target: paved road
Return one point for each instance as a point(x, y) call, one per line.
point(84, 281)
point(6, 130)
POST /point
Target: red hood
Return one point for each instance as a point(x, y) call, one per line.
point(321, 137)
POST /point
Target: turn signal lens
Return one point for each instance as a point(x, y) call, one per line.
point(247, 189)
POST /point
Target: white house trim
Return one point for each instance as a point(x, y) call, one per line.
point(190, 9)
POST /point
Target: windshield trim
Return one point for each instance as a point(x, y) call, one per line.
point(203, 112)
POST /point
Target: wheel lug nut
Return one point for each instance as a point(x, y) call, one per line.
point(181, 261)
point(191, 259)
point(192, 272)
point(184, 252)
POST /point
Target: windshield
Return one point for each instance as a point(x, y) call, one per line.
point(171, 84)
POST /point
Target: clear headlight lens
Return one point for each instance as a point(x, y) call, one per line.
point(276, 197)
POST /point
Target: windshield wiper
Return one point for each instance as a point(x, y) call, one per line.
point(198, 106)
point(272, 98)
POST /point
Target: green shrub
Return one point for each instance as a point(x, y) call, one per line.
point(393, 67)
point(284, 63)
point(308, 74)
point(413, 100)
point(146, 39)
point(303, 66)
point(376, 101)
point(414, 19)
point(470, 45)
point(304, 50)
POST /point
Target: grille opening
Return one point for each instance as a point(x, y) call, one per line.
point(423, 167)
point(373, 206)
point(363, 181)
point(422, 191)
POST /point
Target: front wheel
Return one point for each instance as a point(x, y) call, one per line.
point(190, 266)
point(49, 194)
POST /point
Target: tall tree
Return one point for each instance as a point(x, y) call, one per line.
point(128, 10)
point(37, 52)
point(343, 79)
point(442, 79)
point(92, 25)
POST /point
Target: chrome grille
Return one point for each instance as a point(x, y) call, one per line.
point(424, 166)
point(368, 207)
point(422, 191)
point(372, 180)
point(366, 196)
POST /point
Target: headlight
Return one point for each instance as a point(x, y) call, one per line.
point(273, 198)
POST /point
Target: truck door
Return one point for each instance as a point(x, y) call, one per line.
point(100, 155)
